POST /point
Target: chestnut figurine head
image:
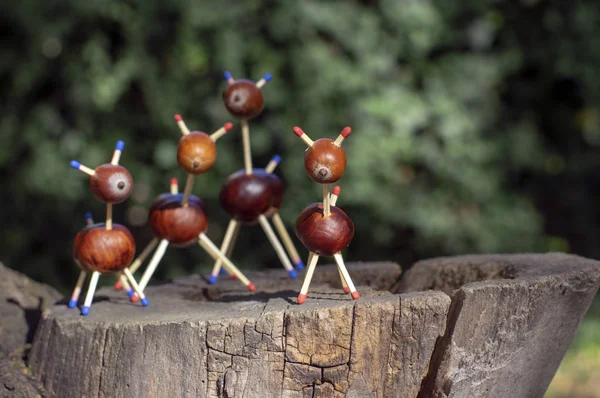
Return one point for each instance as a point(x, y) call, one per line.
point(197, 152)
point(104, 250)
point(109, 182)
point(244, 98)
point(178, 224)
point(324, 159)
point(322, 235)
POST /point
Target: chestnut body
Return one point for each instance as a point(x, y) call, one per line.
point(325, 161)
point(111, 183)
point(324, 236)
point(103, 250)
point(196, 152)
point(175, 223)
point(245, 197)
point(243, 99)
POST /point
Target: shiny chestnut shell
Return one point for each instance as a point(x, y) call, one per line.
point(325, 161)
point(196, 152)
point(98, 249)
point(245, 197)
point(111, 183)
point(325, 236)
point(177, 224)
point(243, 99)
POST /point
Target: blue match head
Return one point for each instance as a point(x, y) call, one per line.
point(88, 216)
point(72, 303)
point(75, 164)
point(299, 265)
point(212, 280)
point(293, 273)
point(276, 159)
point(145, 302)
point(222, 272)
point(227, 75)
point(120, 146)
point(130, 293)
point(85, 310)
point(267, 77)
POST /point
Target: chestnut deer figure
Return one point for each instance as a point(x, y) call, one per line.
point(180, 219)
point(253, 195)
point(105, 247)
point(323, 228)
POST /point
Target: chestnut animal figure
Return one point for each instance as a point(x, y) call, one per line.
point(243, 99)
point(106, 247)
point(180, 219)
point(255, 197)
point(324, 229)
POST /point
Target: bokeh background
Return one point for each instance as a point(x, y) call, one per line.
point(476, 124)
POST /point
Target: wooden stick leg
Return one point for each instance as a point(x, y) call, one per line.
point(344, 284)
point(264, 223)
point(215, 253)
point(287, 241)
point(312, 263)
point(136, 288)
point(326, 207)
point(340, 262)
point(122, 281)
point(77, 290)
point(246, 143)
point(158, 255)
point(233, 225)
point(139, 261)
point(90, 293)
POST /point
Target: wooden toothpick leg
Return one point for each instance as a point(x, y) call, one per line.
point(340, 262)
point(231, 228)
point(287, 241)
point(109, 216)
point(187, 191)
point(158, 255)
point(90, 293)
point(77, 290)
point(246, 143)
point(122, 281)
point(344, 284)
point(326, 208)
point(136, 288)
point(215, 253)
point(311, 264)
point(264, 223)
point(139, 261)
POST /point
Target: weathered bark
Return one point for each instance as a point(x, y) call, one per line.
point(495, 338)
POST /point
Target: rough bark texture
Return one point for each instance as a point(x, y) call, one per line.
point(500, 337)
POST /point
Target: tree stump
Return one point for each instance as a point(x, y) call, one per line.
point(493, 326)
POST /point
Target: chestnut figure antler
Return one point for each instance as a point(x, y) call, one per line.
point(323, 228)
point(106, 247)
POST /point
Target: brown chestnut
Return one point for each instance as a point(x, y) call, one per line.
point(196, 152)
point(325, 236)
point(111, 183)
point(104, 250)
point(243, 99)
point(325, 161)
point(177, 224)
point(245, 197)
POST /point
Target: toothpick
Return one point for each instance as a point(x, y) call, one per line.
point(181, 124)
point(77, 290)
point(345, 133)
point(246, 143)
point(312, 263)
point(189, 183)
point(221, 132)
point(298, 131)
point(344, 284)
point(76, 165)
point(287, 241)
point(264, 223)
point(215, 253)
point(117, 154)
point(326, 209)
point(158, 255)
point(273, 163)
point(266, 78)
point(231, 228)
point(335, 193)
point(228, 77)
point(143, 255)
point(109, 216)
point(90, 293)
point(340, 262)
point(136, 288)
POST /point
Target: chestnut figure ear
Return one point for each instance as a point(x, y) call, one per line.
point(345, 133)
point(300, 133)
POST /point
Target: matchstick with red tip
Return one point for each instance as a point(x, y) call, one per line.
point(221, 132)
point(215, 253)
point(345, 133)
point(300, 133)
point(182, 125)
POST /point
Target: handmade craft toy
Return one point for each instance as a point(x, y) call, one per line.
point(105, 247)
point(323, 228)
point(252, 195)
point(180, 219)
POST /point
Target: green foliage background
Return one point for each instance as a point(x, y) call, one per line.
point(466, 116)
